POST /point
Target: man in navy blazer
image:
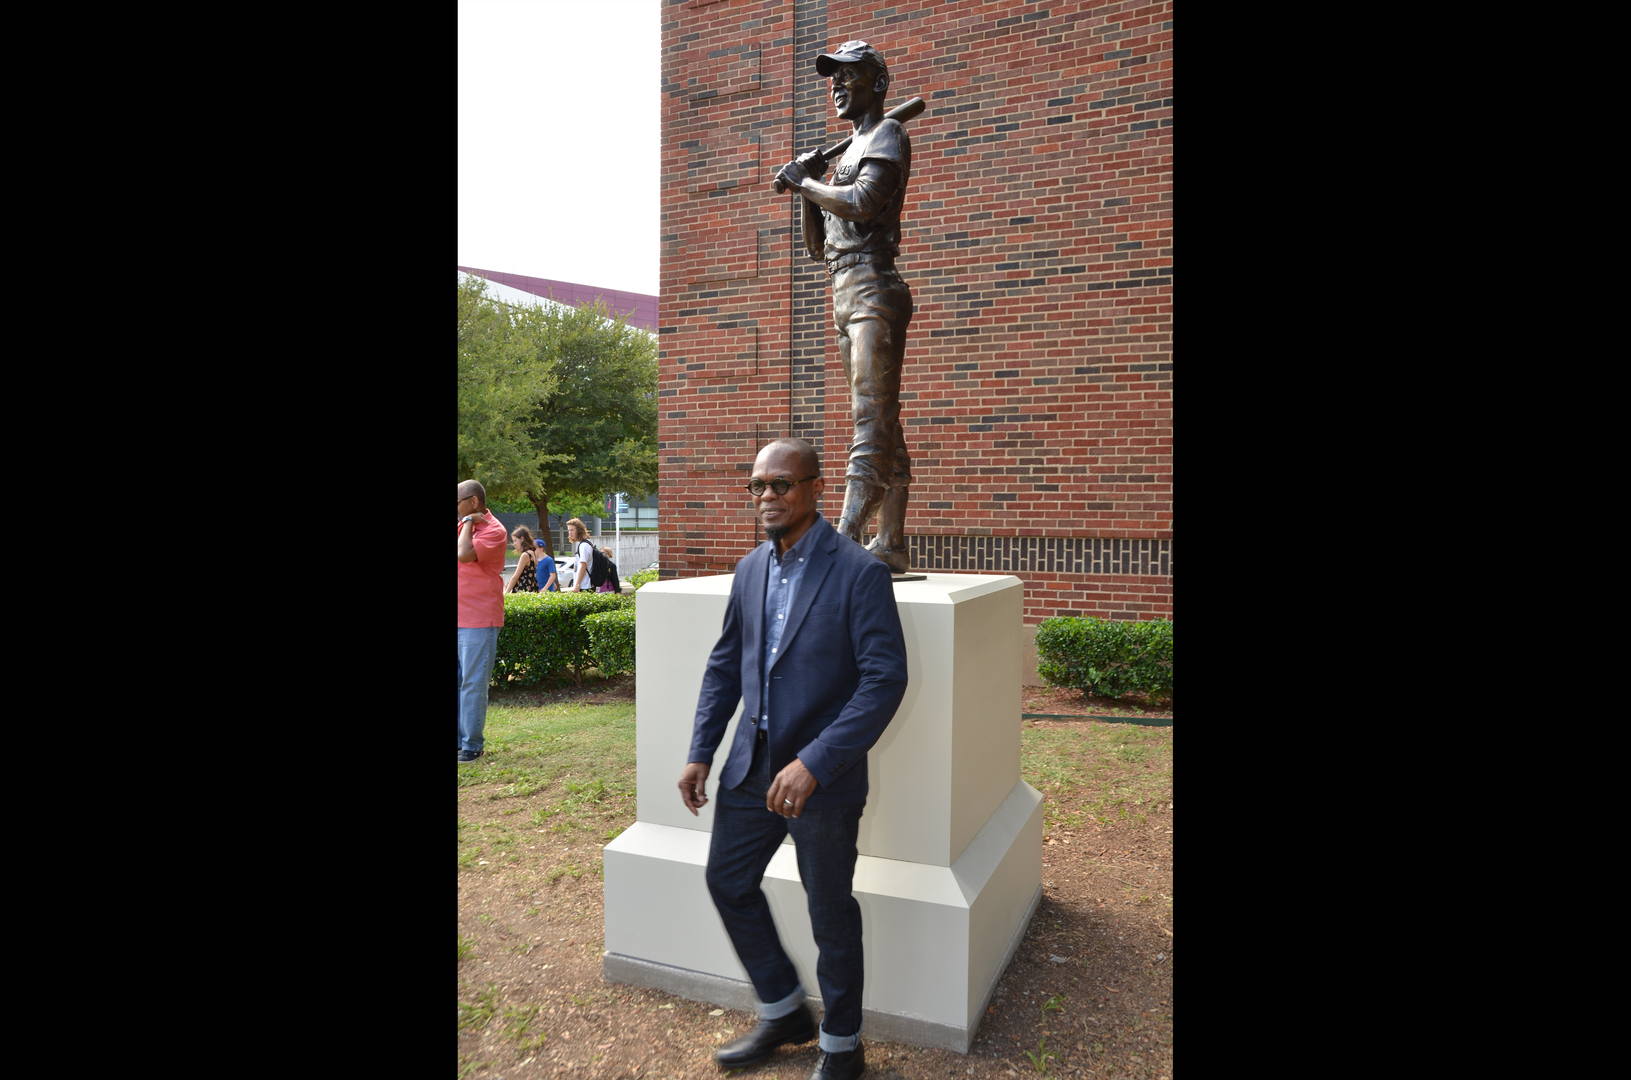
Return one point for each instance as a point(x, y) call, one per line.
point(812, 645)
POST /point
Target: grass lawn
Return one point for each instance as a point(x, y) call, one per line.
point(569, 767)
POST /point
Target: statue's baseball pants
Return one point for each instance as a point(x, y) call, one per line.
point(871, 309)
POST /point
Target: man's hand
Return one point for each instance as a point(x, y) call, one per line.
point(692, 786)
point(788, 791)
point(467, 537)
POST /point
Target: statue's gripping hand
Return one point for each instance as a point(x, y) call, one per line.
point(810, 166)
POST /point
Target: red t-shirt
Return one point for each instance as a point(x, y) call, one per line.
point(481, 583)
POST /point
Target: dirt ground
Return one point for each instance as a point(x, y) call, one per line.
point(1090, 987)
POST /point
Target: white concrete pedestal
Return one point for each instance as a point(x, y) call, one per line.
point(950, 865)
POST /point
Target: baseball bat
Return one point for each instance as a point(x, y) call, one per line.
point(902, 113)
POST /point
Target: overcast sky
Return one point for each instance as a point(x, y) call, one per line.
point(559, 139)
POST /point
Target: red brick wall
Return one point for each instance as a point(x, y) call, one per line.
point(1037, 241)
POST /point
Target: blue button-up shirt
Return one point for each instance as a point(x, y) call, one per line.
point(781, 587)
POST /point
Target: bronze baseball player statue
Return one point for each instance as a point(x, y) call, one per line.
point(853, 224)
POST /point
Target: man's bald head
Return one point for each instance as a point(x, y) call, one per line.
point(809, 460)
point(472, 489)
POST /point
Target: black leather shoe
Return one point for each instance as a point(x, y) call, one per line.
point(797, 1026)
point(842, 1066)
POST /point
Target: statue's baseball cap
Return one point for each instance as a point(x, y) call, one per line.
point(851, 52)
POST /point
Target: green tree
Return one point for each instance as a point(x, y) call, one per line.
point(505, 372)
point(561, 503)
point(568, 505)
point(597, 432)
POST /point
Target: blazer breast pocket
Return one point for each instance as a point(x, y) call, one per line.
point(823, 611)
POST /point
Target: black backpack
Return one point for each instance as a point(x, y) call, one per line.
point(599, 568)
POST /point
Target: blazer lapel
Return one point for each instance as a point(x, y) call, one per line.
point(753, 608)
point(821, 562)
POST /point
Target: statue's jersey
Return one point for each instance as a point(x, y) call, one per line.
point(881, 235)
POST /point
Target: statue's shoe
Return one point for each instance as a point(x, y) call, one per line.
point(897, 559)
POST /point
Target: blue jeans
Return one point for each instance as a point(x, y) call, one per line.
point(478, 647)
point(745, 837)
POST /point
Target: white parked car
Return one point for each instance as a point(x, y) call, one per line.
point(566, 570)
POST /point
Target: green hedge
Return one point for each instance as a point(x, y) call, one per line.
point(639, 578)
point(611, 640)
point(1106, 656)
point(544, 635)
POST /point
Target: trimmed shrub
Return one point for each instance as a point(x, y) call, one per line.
point(1106, 656)
point(611, 640)
point(639, 578)
point(544, 635)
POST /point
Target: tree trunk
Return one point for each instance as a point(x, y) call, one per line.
point(540, 502)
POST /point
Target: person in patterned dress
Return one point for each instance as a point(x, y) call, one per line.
point(525, 578)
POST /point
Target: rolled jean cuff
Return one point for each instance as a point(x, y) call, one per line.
point(837, 1044)
point(778, 1009)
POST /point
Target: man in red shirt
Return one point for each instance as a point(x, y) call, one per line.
point(482, 544)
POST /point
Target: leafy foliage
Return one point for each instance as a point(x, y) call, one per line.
point(1106, 656)
point(543, 635)
point(611, 640)
point(557, 404)
point(565, 504)
point(598, 431)
point(504, 373)
point(639, 578)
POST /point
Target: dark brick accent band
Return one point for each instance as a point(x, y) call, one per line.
point(1041, 554)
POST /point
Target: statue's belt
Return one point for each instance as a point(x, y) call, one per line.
point(860, 258)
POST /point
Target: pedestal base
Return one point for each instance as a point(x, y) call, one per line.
point(936, 938)
point(950, 845)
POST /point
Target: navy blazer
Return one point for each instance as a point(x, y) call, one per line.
point(837, 679)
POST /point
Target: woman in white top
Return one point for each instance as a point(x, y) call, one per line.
point(579, 536)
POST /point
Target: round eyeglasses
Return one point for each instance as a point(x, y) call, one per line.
point(780, 485)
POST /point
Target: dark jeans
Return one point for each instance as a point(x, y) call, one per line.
point(745, 837)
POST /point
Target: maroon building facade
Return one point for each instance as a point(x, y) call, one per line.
point(639, 309)
point(1036, 239)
